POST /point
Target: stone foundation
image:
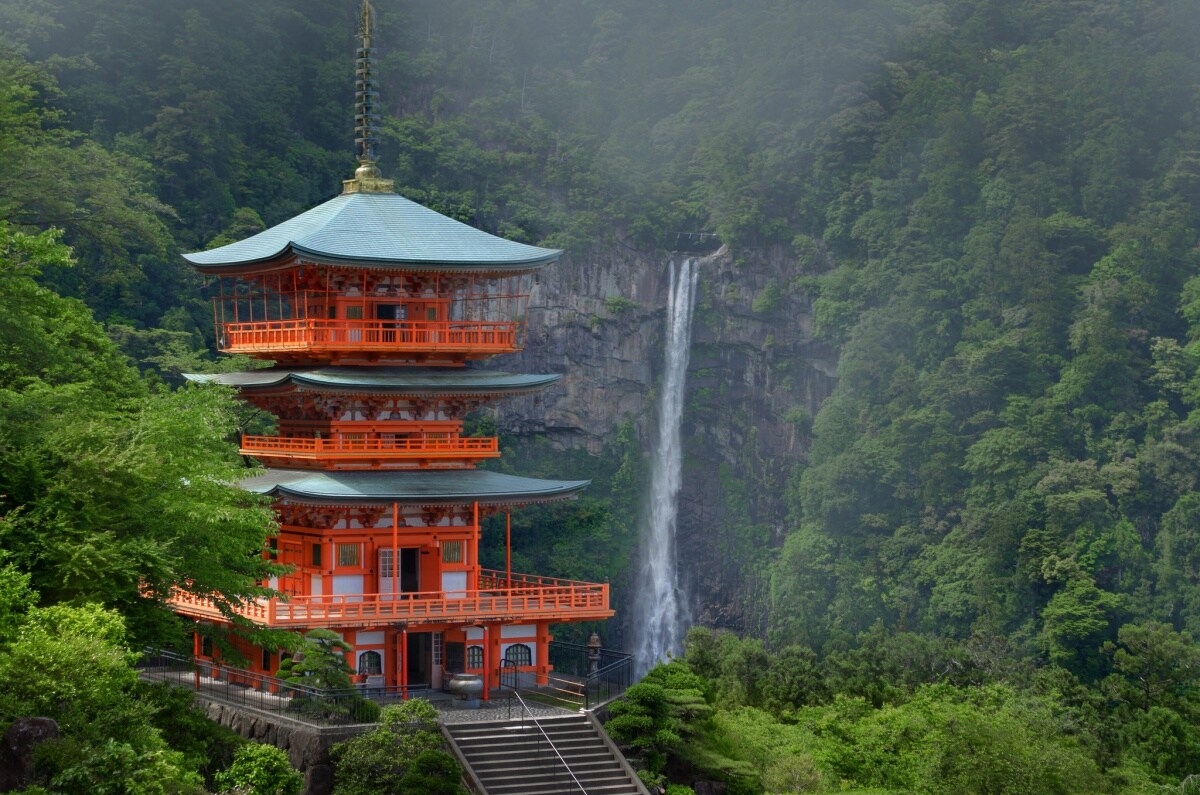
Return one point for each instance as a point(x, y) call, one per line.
point(307, 746)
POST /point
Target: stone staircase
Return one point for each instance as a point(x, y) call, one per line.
point(514, 758)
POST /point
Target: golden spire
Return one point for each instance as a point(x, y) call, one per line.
point(367, 178)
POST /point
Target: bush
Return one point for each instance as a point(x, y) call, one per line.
point(259, 769)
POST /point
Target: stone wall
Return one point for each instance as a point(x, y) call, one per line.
point(307, 746)
point(756, 377)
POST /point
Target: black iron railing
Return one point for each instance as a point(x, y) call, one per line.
point(268, 693)
point(602, 674)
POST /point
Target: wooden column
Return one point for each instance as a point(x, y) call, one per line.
point(487, 660)
point(395, 551)
point(403, 660)
point(196, 655)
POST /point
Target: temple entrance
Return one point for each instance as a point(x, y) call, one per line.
point(418, 659)
point(410, 572)
point(456, 657)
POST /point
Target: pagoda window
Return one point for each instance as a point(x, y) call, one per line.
point(370, 663)
point(474, 656)
point(206, 646)
point(267, 659)
point(349, 555)
point(452, 552)
point(519, 654)
point(316, 555)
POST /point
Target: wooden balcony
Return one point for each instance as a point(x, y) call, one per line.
point(556, 600)
point(312, 337)
point(338, 451)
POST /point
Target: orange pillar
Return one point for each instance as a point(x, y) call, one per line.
point(196, 657)
point(543, 653)
point(395, 550)
point(475, 546)
point(402, 661)
point(487, 663)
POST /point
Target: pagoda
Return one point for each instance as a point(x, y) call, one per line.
point(376, 313)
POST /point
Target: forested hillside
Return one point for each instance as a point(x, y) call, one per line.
point(981, 535)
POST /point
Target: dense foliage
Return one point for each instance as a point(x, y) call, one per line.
point(403, 755)
point(871, 720)
point(114, 489)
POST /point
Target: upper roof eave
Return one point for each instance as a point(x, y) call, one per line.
point(289, 256)
point(380, 230)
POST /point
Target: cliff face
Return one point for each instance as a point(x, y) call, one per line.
point(755, 378)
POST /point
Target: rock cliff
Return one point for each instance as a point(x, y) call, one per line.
point(755, 379)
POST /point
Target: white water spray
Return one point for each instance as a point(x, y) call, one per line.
point(660, 607)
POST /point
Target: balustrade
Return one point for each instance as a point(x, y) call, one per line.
point(315, 335)
point(420, 446)
point(556, 600)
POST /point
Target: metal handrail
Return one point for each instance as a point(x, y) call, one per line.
point(612, 676)
point(537, 724)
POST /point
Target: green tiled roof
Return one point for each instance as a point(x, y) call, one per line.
point(379, 229)
point(415, 380)
point(423, 487)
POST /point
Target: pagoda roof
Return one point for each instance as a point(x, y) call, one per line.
point(412, 380)
point(377, 230)
point(423, 486)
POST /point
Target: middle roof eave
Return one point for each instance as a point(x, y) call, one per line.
point(421, 487)
point(419, 380)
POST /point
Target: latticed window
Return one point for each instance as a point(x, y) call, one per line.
point(519, 654)
point(452, 551)
point(474, 656)
point(370, 662)
point(349, 554)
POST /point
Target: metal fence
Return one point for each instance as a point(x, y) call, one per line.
point(603, 674)
point(268, 693)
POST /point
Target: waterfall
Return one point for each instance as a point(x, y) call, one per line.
point(660, 609)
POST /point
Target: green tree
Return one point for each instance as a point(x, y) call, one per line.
point(260, 769)
point(404, 754)
point(111, 492)
point(72, 664)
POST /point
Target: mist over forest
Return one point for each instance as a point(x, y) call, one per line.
point(941, 508)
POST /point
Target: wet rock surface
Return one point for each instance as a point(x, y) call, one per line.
point(17, 749)
point(757, 376)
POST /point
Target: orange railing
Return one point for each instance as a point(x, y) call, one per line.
point(440, 446)
point(565, 602)
point(371, 335)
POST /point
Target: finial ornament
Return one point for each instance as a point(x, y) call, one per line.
point(367, 177)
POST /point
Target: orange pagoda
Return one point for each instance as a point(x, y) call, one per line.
point(376, 312)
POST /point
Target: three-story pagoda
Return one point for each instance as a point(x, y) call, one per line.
point(374, 310)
